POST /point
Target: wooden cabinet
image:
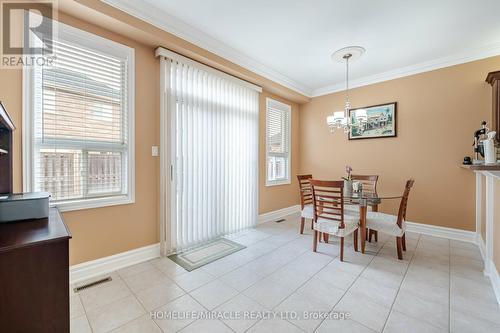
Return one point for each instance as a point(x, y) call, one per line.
point(493, 78)
point(34, 275)
point(6, 128)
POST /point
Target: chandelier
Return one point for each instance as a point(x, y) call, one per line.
point(341, 119)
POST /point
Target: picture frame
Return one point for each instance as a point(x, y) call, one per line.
point(380, 121)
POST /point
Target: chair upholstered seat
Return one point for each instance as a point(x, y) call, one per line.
point(332, 227)
point(385, 223)
point(307, 212)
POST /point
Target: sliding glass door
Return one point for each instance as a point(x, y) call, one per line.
point(213, 152)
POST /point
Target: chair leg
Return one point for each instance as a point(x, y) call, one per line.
point(355, 240)
point(399, 246)
point(325, 237)
point(341, 248)
point(302, 221)
point(315, 240)
point(367, 233)
point(375, 232)
point(312, 224)
point(403, 240)
point(370, 233)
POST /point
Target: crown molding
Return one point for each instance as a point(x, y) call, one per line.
point(173, 25)
point(177, 27)
point(427, 66)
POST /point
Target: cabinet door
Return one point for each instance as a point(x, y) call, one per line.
point(34, 293)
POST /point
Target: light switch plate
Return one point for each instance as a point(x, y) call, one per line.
point(154, 151)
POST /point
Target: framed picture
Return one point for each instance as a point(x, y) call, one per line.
point(377, 121)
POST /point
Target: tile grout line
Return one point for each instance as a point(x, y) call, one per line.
point(298, 239)
point(218, 278)
point(256, 322)
point(419, 319)
point(241, 292)
point(84, 311)
point(302, 284)
point(295, 290)
point(215, 276)
point(137, 299)
point(194, 321)
point(401, 283)
point(350, 286)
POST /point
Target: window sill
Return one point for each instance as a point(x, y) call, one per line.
point(93, 203)
point(278, 183)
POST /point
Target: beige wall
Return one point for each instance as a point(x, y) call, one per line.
point(280, 196)
point(437, 114)
point(106, 231)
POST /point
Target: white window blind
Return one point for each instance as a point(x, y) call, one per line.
point(277, 142)
point(214, 138)
point(80, 122)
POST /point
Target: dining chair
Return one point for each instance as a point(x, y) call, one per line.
point(329, 215)
point(369, 185)
point(306, 205)
point(391, 224)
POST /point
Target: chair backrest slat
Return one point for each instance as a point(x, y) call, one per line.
point(328, 200)
point(369, 182)
point(404, 202)
point(305, 190)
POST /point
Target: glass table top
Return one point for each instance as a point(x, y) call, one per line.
point(369, 198)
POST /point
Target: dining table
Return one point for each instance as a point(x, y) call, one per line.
point(365, 200)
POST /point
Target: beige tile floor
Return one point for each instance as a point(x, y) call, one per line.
point(438, 287)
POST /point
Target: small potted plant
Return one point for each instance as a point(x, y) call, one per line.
point(348, 180)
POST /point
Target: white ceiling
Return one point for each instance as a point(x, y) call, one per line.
point(290, 41)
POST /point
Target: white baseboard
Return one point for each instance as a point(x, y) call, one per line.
point(443, 232)
point(481, 245)
point(278, 214)
point(94, 268)
point(98, 267)
point(461, 235)
point(495, 280)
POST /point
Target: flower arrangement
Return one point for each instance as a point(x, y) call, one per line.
point(348, 170)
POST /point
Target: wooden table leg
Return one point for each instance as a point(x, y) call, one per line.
point(362, 226)
point(375, 232)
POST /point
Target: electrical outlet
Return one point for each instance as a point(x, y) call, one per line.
point(154, 151)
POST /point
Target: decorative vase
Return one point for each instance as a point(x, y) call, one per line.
point(347, 187)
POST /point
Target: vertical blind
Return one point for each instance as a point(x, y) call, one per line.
point(277, 141)
point(80, 124)
point(215, 154)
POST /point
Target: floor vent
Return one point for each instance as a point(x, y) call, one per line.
point(93, 284)
point(280, 220)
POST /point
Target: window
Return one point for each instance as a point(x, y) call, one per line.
point(277, 142)
point(79, 115)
